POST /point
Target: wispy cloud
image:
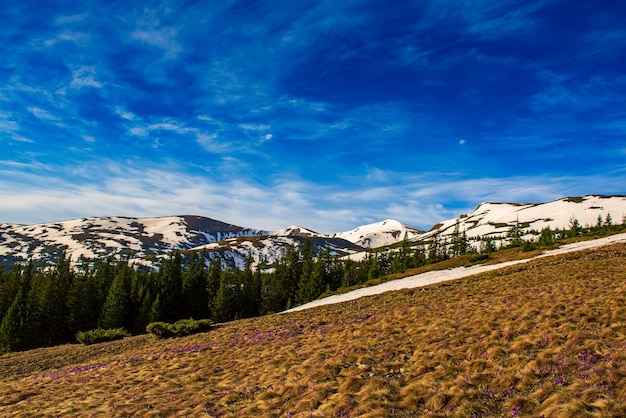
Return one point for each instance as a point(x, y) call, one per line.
point(85, 77)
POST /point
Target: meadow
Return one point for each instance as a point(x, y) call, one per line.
point(544, 338)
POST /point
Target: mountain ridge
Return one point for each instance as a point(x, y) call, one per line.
point(146, 240)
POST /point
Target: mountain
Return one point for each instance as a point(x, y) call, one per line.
point(379, 234)
point(135, 238)
point(268, 249)
point(147, 240)
point(496, 220)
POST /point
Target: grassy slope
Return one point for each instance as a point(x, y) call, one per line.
point(543, 338)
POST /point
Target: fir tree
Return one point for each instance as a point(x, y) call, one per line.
point(54, 307)
point(194, 292)
point(83, 303)
point(116, 309)
point(574, 227)
point(251, 303)
point(170, 288)
point(12, 326)
point(307, 286)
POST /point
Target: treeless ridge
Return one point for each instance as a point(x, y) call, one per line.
point(542, 338)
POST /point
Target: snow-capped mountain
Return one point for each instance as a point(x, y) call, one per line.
point(268, 249)
point(379, 234)
point(133, 238)
point(147, 240)
point(495, 220)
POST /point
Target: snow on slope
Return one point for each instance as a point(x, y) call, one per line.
point(138, 238)
point(432, 277)
point(269, 249)
point(496, 219)
point(294, 230)
point(379, 234)
point(104, 236)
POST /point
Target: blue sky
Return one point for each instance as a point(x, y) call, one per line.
point(325, 114)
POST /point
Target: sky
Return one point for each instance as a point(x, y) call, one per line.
point(324, 114)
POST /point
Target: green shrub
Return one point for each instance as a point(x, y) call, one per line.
point(159, 329)
point(179, 328)
point(100, 335)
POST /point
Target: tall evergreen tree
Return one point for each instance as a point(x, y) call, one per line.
point(214, 274)
point(12, 325)
point(195, 296)
point(54, 298)
point(9, 286)
point(351, 273)
point(171, 288)
point(251, 282)
point(116, 310)
point(19, 324)
point(306, 282)
point(83, 302)
point(227, 304)
point(156, 310)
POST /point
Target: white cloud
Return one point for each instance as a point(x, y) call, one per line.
point(170, 126)
point(68, 36)
point(20, 138)
point(150, 32)
point(210, 142)
point(84, 77)
point(125, 114)
point(42, 114)
point(138, 131)
point(254, 127)
point(8, 125)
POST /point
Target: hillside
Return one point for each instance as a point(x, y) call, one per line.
point(541, 338)
point(496, 220)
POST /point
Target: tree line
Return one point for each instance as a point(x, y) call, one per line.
point(50, 305)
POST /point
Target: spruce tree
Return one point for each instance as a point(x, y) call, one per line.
point(251, 297)
point(13, 322)
point(83, 303)
point(54, 299)
point(171, 287)
point(9, 286)
point(19, 325)
point(195, 297)
point(305, 292)
point(116, 309)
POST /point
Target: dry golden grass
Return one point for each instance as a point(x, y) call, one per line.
point(544, 338)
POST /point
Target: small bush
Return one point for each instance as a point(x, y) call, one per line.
point(179, 328)
point(101, 335)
